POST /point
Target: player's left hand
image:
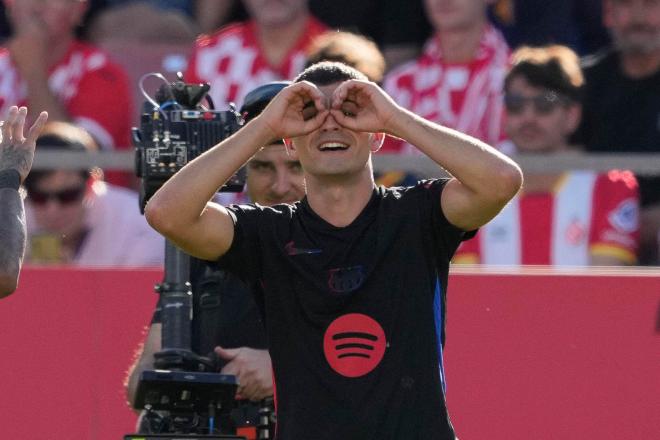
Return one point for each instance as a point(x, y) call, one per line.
point(363, 106)
point(252, 368)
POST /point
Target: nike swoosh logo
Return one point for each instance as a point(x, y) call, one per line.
point(292, 250)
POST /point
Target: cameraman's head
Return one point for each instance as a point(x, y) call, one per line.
point(272, 175)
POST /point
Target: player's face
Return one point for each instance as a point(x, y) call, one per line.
point(333, 150)
point(538, 119)
point(448, 15)
point(275, 12)
point(274, 177)
point(57, 18)
point(58, 202)
point(634, 24)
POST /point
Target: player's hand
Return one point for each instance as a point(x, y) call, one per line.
point(16, 150)
point(297, 110)
point(363, 106)
point(252, 368)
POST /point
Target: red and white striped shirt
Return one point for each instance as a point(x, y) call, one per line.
point(464, 96)
point(588, 214)
point(233, 63)
point(94, 91)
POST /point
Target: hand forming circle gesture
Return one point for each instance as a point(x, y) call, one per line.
point(362, 106)
point(17, 151)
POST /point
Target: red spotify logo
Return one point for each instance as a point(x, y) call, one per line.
point(354, 344)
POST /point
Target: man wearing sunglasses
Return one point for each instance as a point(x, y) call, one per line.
point(16, 154)
point(74, 217)
point(572, 218)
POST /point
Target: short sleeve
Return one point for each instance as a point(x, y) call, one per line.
point(244, 255)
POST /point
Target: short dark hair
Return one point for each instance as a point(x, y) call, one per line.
point(553, 67)
point(329, 72)
point(61, 136)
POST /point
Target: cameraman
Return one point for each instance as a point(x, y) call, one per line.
point(225, 317)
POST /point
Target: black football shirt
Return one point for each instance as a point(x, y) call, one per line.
point(354, 314)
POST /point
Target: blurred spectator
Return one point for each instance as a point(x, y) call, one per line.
point(399, 27)
point(352, 49)
point(457, 81)
point(622, 100)
point(573, 218)
point(268, 47)
point(573, 23)
point(74, 217)
point(154, 21)
point(44, 66)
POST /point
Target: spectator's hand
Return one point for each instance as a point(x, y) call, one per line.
point(363, 106)
point(17, 151)
point(297, 110)
point(253, 369)
point(29, 45)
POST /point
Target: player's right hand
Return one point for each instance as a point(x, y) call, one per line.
point(288, 115)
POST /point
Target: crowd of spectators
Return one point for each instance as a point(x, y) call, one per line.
point(448, 60)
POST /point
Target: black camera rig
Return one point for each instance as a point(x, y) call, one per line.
point(184, 393)
point(174, 129)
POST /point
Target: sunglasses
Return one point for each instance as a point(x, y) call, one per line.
point(63, 197)
point(542, 104)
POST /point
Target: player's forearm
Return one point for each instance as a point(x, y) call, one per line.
point(13, 239)
point(478, 166)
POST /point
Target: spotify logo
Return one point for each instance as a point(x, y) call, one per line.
point(354, 344)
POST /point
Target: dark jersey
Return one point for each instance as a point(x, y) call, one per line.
point(353, 314)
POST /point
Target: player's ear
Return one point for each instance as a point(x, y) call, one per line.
point(377, 140)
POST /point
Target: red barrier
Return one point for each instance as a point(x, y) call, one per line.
point(529, 356)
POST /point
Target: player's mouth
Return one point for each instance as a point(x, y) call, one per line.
point(333, 146)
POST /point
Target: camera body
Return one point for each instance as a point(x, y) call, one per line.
point(174, 130)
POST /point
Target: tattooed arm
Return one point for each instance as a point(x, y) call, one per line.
point(16, 155)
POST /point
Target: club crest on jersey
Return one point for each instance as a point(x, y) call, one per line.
point(354, 344)
point(346, 279)
point(625, 218)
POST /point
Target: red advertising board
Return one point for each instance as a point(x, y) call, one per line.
point(529, 355)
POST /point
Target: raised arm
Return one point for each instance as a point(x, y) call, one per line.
point(181, 210)
point(484, 180)
point(16, 155)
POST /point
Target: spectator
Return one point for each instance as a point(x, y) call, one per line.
point(44, 66)
point(74, 217)
point(399, 27)
point(573, 218)
point(573, 23)
point(352, 49)
point(622, 100)
point(16, 154)
point(150, 21)
point(271, 46)
point(457, 81)
point(234, 328)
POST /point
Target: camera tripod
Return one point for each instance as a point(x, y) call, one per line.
point(183, 386)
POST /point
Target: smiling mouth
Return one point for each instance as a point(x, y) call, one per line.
point(333, 146)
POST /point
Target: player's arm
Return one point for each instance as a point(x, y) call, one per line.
point(16, 155)
point(484, 179)
point(181, 209)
